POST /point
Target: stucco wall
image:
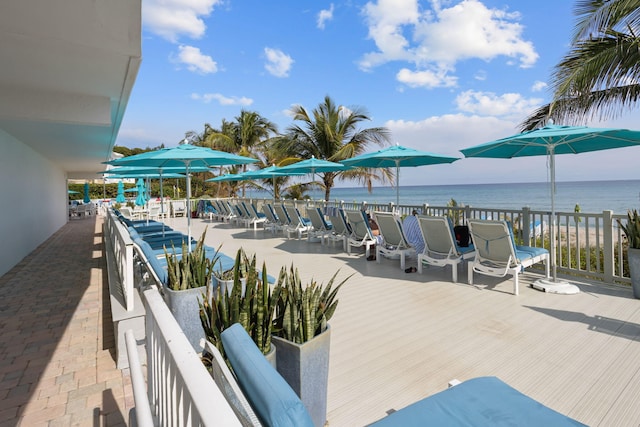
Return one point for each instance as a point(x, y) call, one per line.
point(33, 197)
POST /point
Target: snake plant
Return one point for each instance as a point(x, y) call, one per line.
point(632, 229)
point(190, 269)
point(303, 313)
point(254, 310)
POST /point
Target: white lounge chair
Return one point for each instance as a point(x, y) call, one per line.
point(340, 228)
point(394, 240)
point(283, 218)
point(179, 208)
point(255, 217)
point(361, 234)
point(321, 228)
point(497, 254)
point(272, 224)
point(440, 246)
point(298, 225)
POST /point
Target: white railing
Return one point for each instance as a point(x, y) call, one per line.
point(142, 411)
point(122, 246)
point(181, 390)
point(588, 244)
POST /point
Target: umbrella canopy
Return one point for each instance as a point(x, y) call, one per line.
point(86, 198)
point(120, 196)
point(72, 192)
point(187, 156)
point(141, 199)
point(398, 156)
point(313, 165)
point(549, 141)
point(270, 172)
point(227, 177)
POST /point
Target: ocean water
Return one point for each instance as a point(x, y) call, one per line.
point(592, 196)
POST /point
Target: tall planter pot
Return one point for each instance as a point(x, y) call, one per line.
point(306, 368)
point(185, 308)
point(633, 256)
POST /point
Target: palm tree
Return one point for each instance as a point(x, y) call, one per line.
point(331, 133)
point(599, 76)
point(245, 135)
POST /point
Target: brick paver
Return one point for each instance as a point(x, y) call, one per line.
point(57, 350)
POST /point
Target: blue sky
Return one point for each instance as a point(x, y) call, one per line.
point(440, 75)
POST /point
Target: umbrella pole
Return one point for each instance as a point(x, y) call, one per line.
point(188, 207)
point(161, 202)
point(397, 184)
point(554, 285)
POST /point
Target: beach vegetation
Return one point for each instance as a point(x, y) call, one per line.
point(598, 77)
point(332, 132)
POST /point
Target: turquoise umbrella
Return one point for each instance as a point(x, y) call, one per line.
point(270, 172)
point(72, 192)
point(397, 156)
point(141, 199)
point(549, 141)
point(187, 156)
point(120, 196)
point(86, 198)
point(311, 166)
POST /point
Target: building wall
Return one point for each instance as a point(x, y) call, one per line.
point(33, 197)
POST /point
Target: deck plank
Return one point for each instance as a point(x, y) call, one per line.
point(398, 337)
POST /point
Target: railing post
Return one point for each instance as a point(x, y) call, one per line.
point(608, 244)
point(526, 226)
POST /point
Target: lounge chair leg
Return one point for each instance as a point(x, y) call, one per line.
point(470, 273)
point(515, 284)
point(419, 264)
point(454, 272)
point(377, 254)
point(402, 263)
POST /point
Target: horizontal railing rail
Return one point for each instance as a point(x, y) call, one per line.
point(587, 244)
point(122, 246)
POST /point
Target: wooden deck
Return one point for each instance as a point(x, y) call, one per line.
point(398, 337)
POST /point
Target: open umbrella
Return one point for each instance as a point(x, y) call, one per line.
point(186, 155)
point(72, 192)
point(549, 141)
point(397, 156)
point(151, 173)
point(120, 196)
point(270, 172)
point(87, 198)
point(312, 166)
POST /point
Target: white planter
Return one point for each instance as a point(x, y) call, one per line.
point(185, 308)
point(633, 256)
point(306, 368)
point(227, 285)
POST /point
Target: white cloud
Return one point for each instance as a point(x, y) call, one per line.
point(222, 100)
point(324, 16)
point(195, 60)
point(171, 19)
point(427, 78)
point(441, 37)
point(538, 86)
point(278, 62)
point(511, 105)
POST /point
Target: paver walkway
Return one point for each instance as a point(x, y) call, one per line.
point(57, 347)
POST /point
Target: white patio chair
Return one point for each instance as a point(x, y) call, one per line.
point(440, 246)
point(394, 240)
point(361, 234)
point(497, 254)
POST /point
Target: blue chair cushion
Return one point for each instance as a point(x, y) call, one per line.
point(156, 264)
point(524, 252)
point(484, 401)
point(273, 400)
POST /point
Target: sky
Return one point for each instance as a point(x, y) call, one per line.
point(440, 75)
